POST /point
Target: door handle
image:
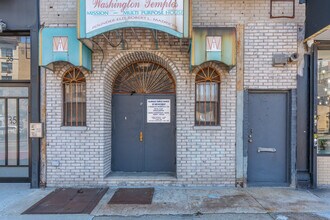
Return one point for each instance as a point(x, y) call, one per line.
point(264, 149)
point(141, 136)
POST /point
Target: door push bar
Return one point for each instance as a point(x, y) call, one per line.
point(263, 149)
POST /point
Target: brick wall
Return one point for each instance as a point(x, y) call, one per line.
point(263, 37)
point(217, 13)
point(205, 156)
point(262, 41)
point(79, 151)
point(59, 12)
point(323, 168)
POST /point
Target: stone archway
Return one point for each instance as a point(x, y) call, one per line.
point(143, 136)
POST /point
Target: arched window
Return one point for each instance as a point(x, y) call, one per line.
point(74, 98)
point(207, 102)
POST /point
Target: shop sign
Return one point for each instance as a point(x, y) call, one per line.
point(158, 111)
point(99, 16)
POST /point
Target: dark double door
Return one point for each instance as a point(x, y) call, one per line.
point(143, 133)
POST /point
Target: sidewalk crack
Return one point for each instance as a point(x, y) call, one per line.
point(269, 213)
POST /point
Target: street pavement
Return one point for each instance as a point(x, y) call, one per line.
point(185, 203)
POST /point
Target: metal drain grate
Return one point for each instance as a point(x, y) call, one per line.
point(68, 201)
point(132, 196)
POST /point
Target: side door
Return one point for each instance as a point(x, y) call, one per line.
point(267, 137)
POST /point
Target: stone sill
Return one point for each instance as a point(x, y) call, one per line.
point(74, 128)
point(144, 176)
point(207, 128)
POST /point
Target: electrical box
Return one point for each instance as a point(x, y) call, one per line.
point(280, 59)
point(36, 130)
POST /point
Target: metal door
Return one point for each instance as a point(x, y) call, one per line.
point(14, 142)
point(159, 141)
point(138, 143)
point(127, 131)
point(267, 138)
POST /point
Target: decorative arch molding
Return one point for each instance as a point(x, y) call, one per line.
point(61, 67)
point(121, 61)
point(221, 68)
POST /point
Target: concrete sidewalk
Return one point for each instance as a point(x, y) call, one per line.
point(185, 203)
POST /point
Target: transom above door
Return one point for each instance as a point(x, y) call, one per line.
point(143, 119)
point(144, 78)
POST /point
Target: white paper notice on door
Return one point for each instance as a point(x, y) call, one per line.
point(158, 111)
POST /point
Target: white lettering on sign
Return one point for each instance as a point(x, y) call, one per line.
point(103, 13)
point(158, 111)
point(213, 43)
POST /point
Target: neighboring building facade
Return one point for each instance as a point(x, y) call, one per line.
point(19, 91)
point(213, 103)
point(317, 39)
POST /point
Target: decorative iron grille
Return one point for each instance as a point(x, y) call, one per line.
point(74, 103)
point(144, 78)
point(207, 97)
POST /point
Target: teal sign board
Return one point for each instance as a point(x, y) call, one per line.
point(213, 44)
point(61, 44)
point(99, 16)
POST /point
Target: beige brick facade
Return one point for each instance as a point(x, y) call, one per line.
point(323, 168)
point(205, 156)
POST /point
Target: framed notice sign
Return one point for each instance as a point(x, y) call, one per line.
point(158, 111)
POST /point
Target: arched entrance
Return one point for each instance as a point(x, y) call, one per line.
point(143, 119)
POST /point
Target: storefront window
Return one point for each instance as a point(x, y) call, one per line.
point(323, 102)
point(15, 58)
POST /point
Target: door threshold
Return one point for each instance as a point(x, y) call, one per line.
point(153, 176)
point(268, 184)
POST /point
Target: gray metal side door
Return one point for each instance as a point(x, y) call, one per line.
point(267, 137)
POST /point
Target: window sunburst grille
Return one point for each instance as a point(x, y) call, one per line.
point(144, 78)
point(208, 74)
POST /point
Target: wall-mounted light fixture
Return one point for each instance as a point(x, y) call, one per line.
point(3, 26)
point(280, 60)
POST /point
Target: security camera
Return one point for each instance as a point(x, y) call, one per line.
point(294, 57)
point(3, 26)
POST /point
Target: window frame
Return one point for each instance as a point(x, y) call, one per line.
point(7, 65)
point(4, 51)
point(217, 107)
point(82, 122)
